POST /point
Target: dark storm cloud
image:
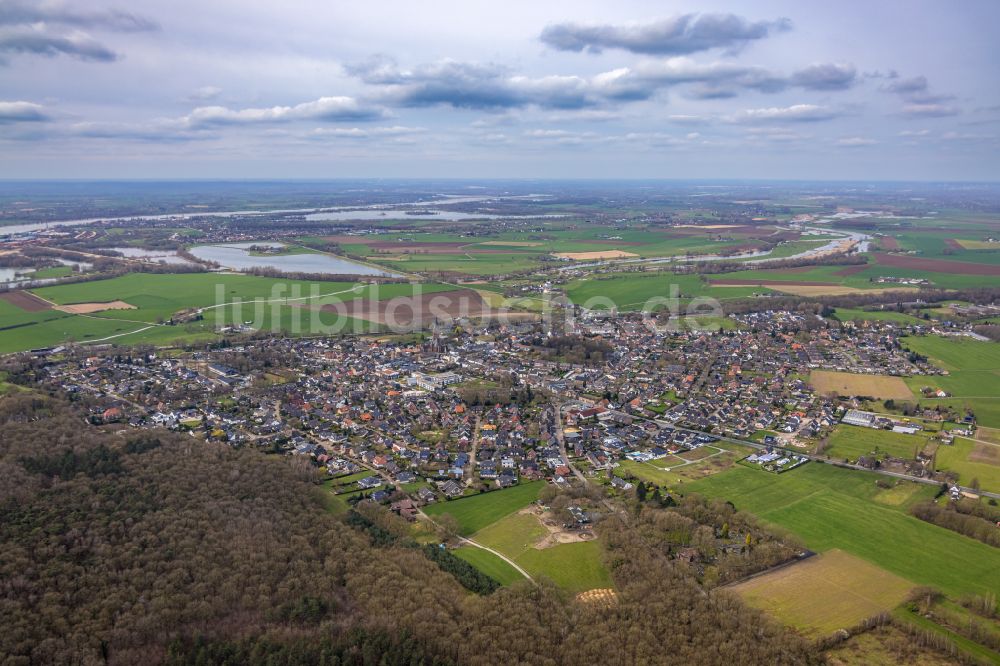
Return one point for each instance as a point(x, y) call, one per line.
point(54, 45)
point(20, 13)
point(687, 33)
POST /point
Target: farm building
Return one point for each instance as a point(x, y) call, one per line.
point(859, 418)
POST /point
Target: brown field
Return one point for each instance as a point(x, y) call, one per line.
point(963, 244)
point(888, 243)
point(412, 311)
point(87, 308)
point(827, 592)
point(26, 301)
point(987, 454)
point(936, 265)
point(604, 254)
point(882, 387)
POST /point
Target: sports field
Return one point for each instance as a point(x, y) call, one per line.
point(828, 507)
point(882, 387)
point(826, 592)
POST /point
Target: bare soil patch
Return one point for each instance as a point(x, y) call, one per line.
point(557, 534)
point(936, 265)
point(26, 301)
point(988, 454)
point(604, 254)
point(87, 308)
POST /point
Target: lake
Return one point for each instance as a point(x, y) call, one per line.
point(236, 257)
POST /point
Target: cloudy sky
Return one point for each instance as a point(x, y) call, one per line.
point(873, 89)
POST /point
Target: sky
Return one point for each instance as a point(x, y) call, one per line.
point(872, 90)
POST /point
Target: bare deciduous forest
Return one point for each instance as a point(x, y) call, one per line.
point(157, 548)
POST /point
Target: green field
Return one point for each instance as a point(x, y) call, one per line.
point(635, 291)
point(575, 567)
point(489, 564)
point(572, 566)
point(956, 353)
point(475, 512)
point(824, 593)
point(671, 471)
point(268, 303)
point(847, 314)
point(850, 442)
point(829, 507)
point(972, 461)
point(974, 375)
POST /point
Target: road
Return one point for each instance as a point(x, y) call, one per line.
point(762, 447)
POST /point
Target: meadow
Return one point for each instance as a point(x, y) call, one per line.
point(851, 442)
point(829, 507)
point(575, 567)
point(489, 564)
point(974, 375)
point(826, 592)
point(475, 512)
point(974, 462)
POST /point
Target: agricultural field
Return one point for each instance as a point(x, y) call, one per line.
point(639, 291)
point(881, 387)
point(956, 353)
point(475, 512)
point(824, 593)
point(974, 462)
point(833, 508)
point(133, 308)
point(973, 381)
point(848, 314)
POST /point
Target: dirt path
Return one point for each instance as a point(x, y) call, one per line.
point(470, 542)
